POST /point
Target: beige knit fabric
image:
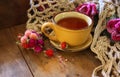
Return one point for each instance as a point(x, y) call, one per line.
point(108, 54)
point(43, 10)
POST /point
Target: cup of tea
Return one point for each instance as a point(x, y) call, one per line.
point(71, 27)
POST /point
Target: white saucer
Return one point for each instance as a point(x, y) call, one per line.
point(73, 49)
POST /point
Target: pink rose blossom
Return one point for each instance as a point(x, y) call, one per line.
point(117, 26)
point(115, 36)
point(113, 27)
point(112, 24)
point(23, 39)
point(88, 9)
point(27, 33)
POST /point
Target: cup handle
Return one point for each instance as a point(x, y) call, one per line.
point(51, 25)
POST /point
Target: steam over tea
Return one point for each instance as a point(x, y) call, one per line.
point(73, 23)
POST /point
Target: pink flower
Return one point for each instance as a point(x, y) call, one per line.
point(27, 33)
point(23, 39)
point(40, 41)
point(113, 27)
point(115, 36)
point(117, 26)
point(33, 36)
point(32, 40)
point(88, 9)
point(37, 48)
point(32, 43)
point(112, 24)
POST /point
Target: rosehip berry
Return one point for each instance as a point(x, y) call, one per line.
point(49, 52)
point(24, 45)
point(63, 45)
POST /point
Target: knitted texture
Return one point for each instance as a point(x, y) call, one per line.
point(106, 51)
point(42, 11)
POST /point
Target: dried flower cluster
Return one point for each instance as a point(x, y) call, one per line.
point(113, 27)
point(34, 40)
point(31, 40)
point(89, 9)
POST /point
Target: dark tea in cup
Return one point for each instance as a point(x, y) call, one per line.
point(73, 23)
point(71, 27)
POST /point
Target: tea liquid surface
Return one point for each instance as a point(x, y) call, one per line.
point(73, 23)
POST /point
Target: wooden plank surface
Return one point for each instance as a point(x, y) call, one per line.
point(79, 64)
point(12, 63)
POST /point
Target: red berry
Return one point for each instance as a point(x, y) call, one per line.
point(49, 52)
point(63, 45)
point(24, 45)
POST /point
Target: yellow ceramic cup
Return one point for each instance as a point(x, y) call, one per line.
point(71, 37)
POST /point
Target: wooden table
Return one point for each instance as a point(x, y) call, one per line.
point(18, 62)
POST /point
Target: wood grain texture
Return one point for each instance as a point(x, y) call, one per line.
point(12, 63)
point(13, 12)
point(79, 64)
